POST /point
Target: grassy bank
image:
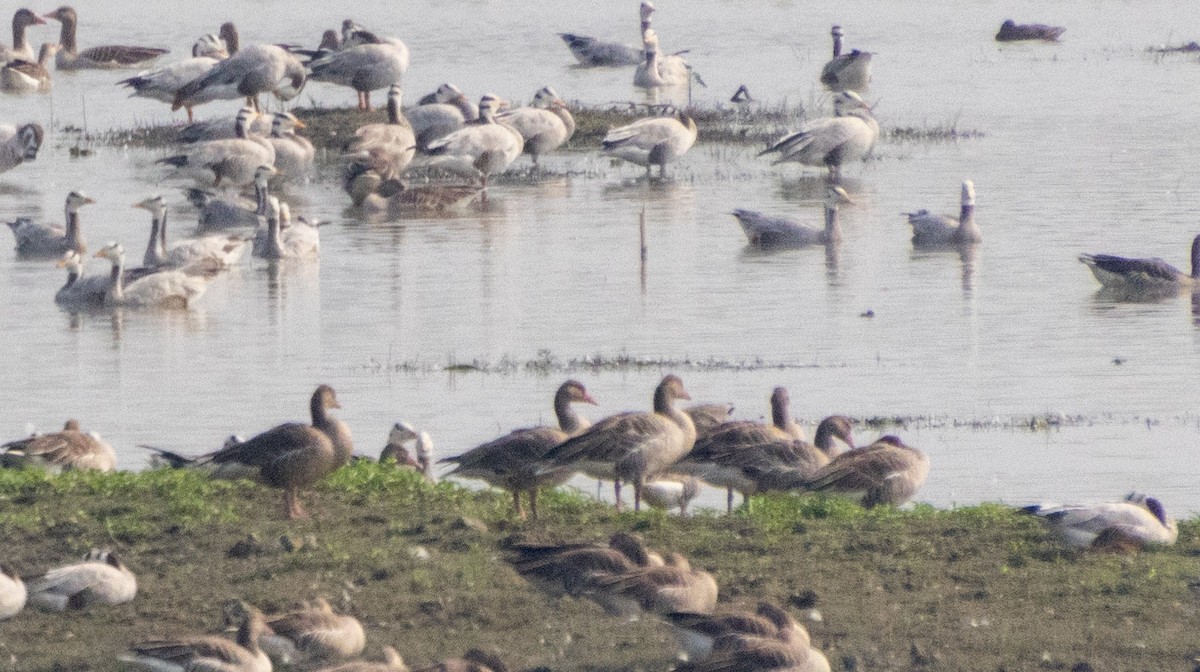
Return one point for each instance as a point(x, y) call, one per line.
point(979, 588)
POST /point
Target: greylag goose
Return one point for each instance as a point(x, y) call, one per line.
point(570, 569)
point(657, 140)
point(392, 662)
point(592, 52)
point(298, 240)
point(21, 50)
point(364, 68)
point(846, 71)
point(511, 461)
point(319, 634)
point(1011, 31)
point(480, 149)
point(46, 241)
point(420, 460)
point(544, 126)
point(675, 586)
point(100, 579)
point(208, 252)
point(671, 491)
point(634, 446)
point(757, 654)
point(226, 212)
point(446, 112)
point(106, 57)
point(768, 232)
point(21, 76)
point(155, 289)
point(253, 70)
point(204, 652)
point(1131, 524)
point(374, 195)
point(294, 154)
point(885, 472)
point(80, 291)
point(69, 449)
point(1141, 275)
point(232, 161)
point(19, 144)
point(700, 635)
point(708, 416)
point(658, 70)
point(474, 660)
point(293, 456)
point(12, 593)
point(385, 148)
point(930, 230)
point(833, 141)
point(164, 83)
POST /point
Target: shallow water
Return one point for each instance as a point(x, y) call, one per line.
point(1086, 147)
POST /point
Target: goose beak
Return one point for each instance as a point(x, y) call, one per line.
point(299, 124)
point(587, 399)
point(38, 21)
point(87, 200)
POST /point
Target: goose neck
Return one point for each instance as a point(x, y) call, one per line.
point(156, 246)
point(1196, 257)
point(833, 227)
point(73, 233)
point(116, 281)
point(568, 419)
point(67, 34)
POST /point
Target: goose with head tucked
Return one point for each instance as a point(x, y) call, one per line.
point(12, 593)
point(19, 144)
point(392, 662)
point(105, 57)
point(1128, 525)
point(21, 49)
point(80, 291)
point(676, 586)
point(177, 289)
point(1011, 31)
point(46, 241)
point(208, 653)
point(294, 153)
point(570, 569)
point(593, 52)
point(233, 162)
point(886, 472)
point(100, 579)
point(320, 634)
point(708, 416)
point(830, 142)
point(66, 450)
point(479, 149)
point(659, 70)
point(164, 83)
point(700, 635)
point(544, 126)
point(253, 70)
point(212, 251)
point(846, 71)
point(652, 141)
point(774, 233)
point(21, 76)
point(444, 111)
point(279, 238)
point(931, 230)
point(1143, 276)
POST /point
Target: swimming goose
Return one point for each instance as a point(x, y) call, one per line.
point(846, 71)
point(1141, 275)
point(480, 149)
point(298, 240)
point(708, 416)
point(253, 70)
point(80, 291)
point(233, 161)
point(675, 586)
point(12, 593)
point(593, 52)
point(930, 230)
point(1128, 525)
point(658, 70)
point(396, 449)
point(1011, 31)
point(21, 76)
point(232, 211)
point(294, 154)
point(204, 652)
point(164, 83)
point(392, 662)
point(19, 144)
point(106, 57)
point(775, 233)
point(100, 579)
point(885, 472)
point(570, 569)
point(46, 241)
point(698, 634)
point(319, 634)
point(373, 195)
point(293, 456)
point(544, 126)
point(511, 461)
point(364, 68)
point(21, 50)
point(657, 140)
point(448, 111)
point(847, 136)
point(153, 289)
point(386, 148)
point(211, 251)
point(474, 660)
point(69, 449)
point(633, 447)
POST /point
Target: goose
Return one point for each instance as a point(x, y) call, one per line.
point(847, 136)
point(1141, 275)
point(758, 654)
point(675, 586)
point(593, 52)
point(846, 71)
point(294, 154)
point(1130, 524)
point(373, 195)
point(80, 291)
point(930, 230)
point(218, 213)
point(69, 449)
point(233, 161)
point(21, 76)
point(364, 68)
point(319, 634)
point(392, 662)
point(21, 50)
point(634, 446)
point(223, 128)
point(164, 83)
point(481, 149)
point(253, 70)
point(12, 593)
point(273, 241)
point(671, 491)
point(570, 569)
point(544, 126)
point(211, 251)
point(656, 140)
point(214, 45)
point(155, 289)
point(354, 35)
point(1011, 31)
point(106, 57)
point(293, 456)
point(447, 111)
point(100, 579)
point(775, 233)
point(657, 70)
point(885, 472)
point(698, 634)
point(19, 144)
point(397, 451)
point(46, 241)
point(511, 461)
point(708, 416)
point(204, 652)
point(474, 660)
point(386, 148)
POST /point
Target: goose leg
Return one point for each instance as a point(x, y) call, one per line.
point(637, 497)
point(617, 492)
point(728, 500)
point(366, 100)
point(517, 504)
point(533, 497)
point(189, 111)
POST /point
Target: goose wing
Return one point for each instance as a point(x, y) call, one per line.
point(816, 140)
point(121, 54)
point(69, 449)
point(1153, 269)
point(612, 438)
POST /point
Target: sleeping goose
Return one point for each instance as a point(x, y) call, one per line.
point(1011, 31)
point(106, 57)
point(675, 586)
point(12, 593)
point(319, 634)
point(364, 68)
point(448, 111)
point(758, 654)
point(833, 141)
point(21, 76)
point(511, 461)
point(233, 161)
point(100, 579)
point(278, 238)
point(479, 149)
point(657, 140)
point(164, 83)
point(1141, 275)
point(19, 144)
point(155, 289)
point(46, 241)
point(569, 569)
point(385, 148)
point(211, 251)
point(658, 70)
point(846, 71)
point(67, 450)
point(1131, 524)
point(474, 660)
point(420, 460)
point(294, 154)
point(885, 472)
point(545, 125)
point(698, 634)
point(204, 652)
point(392, 662)
point(21, 50)
point(80, 291)
point(253, 70)
point(770, 232)
point(593, 52)
point(930, 230)
point(218, 213)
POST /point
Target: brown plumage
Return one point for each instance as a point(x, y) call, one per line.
point(392, 662)
point(662, 590)
point(706, 417)
point(108, 56)
point(698, 634)
point(474, 660)
point(885, 472)
point(319, 633)
point(22, 19)
point(20, 75)
point(204, 652)
point(59, 451)
point(570, 569)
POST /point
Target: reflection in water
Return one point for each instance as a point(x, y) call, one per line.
point(832, 256)
point(968, 254)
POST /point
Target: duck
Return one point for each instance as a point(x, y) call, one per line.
point(421, 460)
point(444, 111)
point(232, 161)
point(373, 195)
point(592, 52)
point(169, 288)
point(669, 71)
point(846, 71)
point(67, 450)
point(318, 633)
point(253, 70)
point(12, 592)
point(479, 149)
point(102, 578)
point(105, 57)
point(364, 67)
point(651, 141)
point(774, 233)
point(386, 148)
point(1011, 31)
point(164, 83)
point(278, 238)
point(204, 652)
point(21, 50)
point(887, 471)
point(294, 154)
point(19, 144)
point(210, 251)
point(511, 461)
point(544, 126)
point(930, 230)
point(392, 662)
point(21, 76)
point(221, 212)
point(1130, 524)
point(1141, 275)
point(633, 447)
point(570, 569)
point(80, 291)
point(46, 241)
point(830, 142)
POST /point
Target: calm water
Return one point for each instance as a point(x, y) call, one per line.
point(1089, 146)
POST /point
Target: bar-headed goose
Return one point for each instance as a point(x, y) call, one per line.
point(647, 142)
point(12, 593)
point(155, 289)
point(279, 238)
point(320, 634)
point(213, 45)
point(660, 70)
point(223, 128)
point(593, 52)
point(100, 579)
point(21, 50)
point(105, 57)
point(1131, 524)
point(385, 148)
point(164, 83)
point(1011, 31)
point(80, 291)
point(769, 232)
point(479, 149)
point(544, 126)
point(1142, 275)
point(511, 461)
point(444, 111)
point(833, 141)
point(886, 472)
point(19, 144)
point(66, 450)
point(293, 153)
point(47, 241)
point(21, 76)
point(846, 71)
point(364, 68)
point(931, 230)
point(421, 459)
point(204, 652)
point(211, 251)
point(232, 161)
point(253, 70)
point(232, 211)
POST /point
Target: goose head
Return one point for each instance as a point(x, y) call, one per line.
point(646, 10)
point(114, 252)
point(326, 397)
point(577, 393)
point(547, 98)
point(447, 93)
point(968, 192)
point(31, 136)
point(63, 14)
point(25, 17)
point(402, 432)
point(155, 205)
point(671, 389)
point(285, 122)
point(241, 124)
point(210, 45)
point(70, 261)
point(76, 200)
point(489, 105)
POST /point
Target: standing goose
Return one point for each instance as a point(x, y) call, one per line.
point(21, 76)
point(385, 148)
point(211, 251)
point(70, 449)
point(480, 149)
point(156, 289)
point(319, 634)
point(364, 68)
point(544, 126)
point(106, 57)
point(885, 472)
point(272, 241)
point(21, 50)
point(669, 71)
point(511, 461)
point(1011, 31)
point(445, 111)
point(930, 230)
point(774, 233)
point(164, 83)
point(657, 140)
point(833, 141)
point(1141, 275)
point(294, 154)
point(846, 71)
point(226, 212)
point(253, 70)
point(12, 593)
point(592, 52)
point(1131, 524)
point(233, 161)
point(204, 652)
point(80, 291)
point(397, 450)
point(100, 579)
point(634, 446)
point(46, 241)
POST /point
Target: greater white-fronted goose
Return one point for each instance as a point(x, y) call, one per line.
point(833, 141)
point(660, 70)
point(21, 50)
point(233, 162)
point(778, 233)
point(886, 472)
point(100, 579)
point(571, 569)
point(19, 144)
point(708, 416)
point(69, 449)
point(592, 52)
point(474, 660)
point(633, 447)
point(204, 652)
point(755, 654)
point(647, 142)
point(385, 148)
point(293, 456)
point(930, 230)
point(512, 461)
point(218, 213)
point(392, 662)
point(294, 154)
point(21, 76)
point(80, 291)
point(420, 460)
point(253, 70)
point(105, 57)
point(479, 149)
point(444, 111)
point(373, 195)
point(164, 83)
point(278, 238)
point(364, 68)
point(1141, 275)
point(671, 491)
point(1131, 524)
point(846, 71)
point(12, 593)
point(675, 586)
point(698, 634)
point(46, 241)
point(320, 634)
point(1011, 31)
point(176, 289)
point(545, 125)
point(213, 251)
